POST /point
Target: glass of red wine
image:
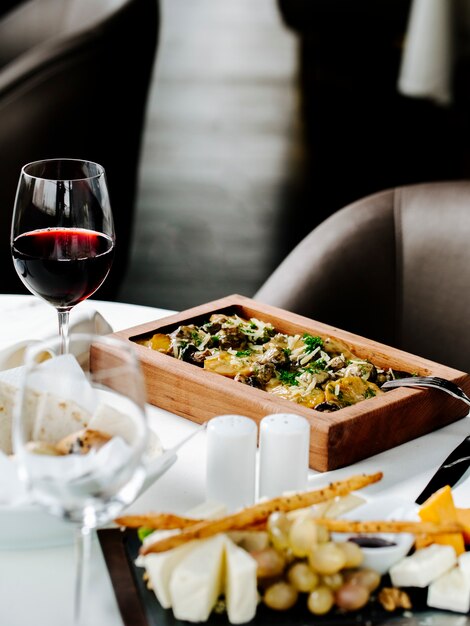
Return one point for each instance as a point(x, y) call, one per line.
point(62, 237)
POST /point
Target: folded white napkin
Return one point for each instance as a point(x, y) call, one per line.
point(36, 321)
point(428, 57)
point(53, 415)
point(437, 37)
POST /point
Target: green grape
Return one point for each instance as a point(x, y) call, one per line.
point(250, 540)
point(270, 562)
point(353, 552)
point(323, 534)
point(302, 577)
point(327, 558)
point(278, 530)
point(333, 581)
point(352, 596)
point(368, 578)
point(320, 600)
point(280, 596)
point(302, 536)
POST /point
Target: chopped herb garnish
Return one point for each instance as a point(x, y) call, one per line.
point(312, 342)
point(195, 336)
point(243, 352)
point(143, 532)
point(291, 365)
point(288, 378)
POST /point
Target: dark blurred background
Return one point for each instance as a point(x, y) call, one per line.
point(222, 154)
point(263, 117)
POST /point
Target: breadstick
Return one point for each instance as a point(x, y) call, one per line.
point(260, 512)
point(388, 526)
point(157, 521)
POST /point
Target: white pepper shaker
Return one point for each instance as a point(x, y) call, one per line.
point(231, 460)
point(284, 454)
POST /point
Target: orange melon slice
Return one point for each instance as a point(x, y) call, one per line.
point(440, 508)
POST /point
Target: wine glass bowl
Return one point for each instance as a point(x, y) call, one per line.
point(62, 238)
point(80, 434)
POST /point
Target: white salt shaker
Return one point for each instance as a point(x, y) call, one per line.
point(284, 454)
point(231, 460)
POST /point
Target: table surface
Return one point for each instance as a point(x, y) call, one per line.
point(36, 586)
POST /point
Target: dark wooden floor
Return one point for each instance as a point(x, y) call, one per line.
point(222, 155)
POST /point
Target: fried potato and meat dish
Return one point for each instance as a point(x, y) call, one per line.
point(317, 373)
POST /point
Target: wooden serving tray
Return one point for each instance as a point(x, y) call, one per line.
point(337, 439)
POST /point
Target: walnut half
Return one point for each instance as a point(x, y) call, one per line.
point(392, 598)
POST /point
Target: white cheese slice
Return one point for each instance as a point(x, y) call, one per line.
point(241, 595)
point(424, 566)
point(464, 564)
point(197, 581)
point(342, 504)
point(331, 509)
point(450, 591)
point(154, 536)
point(160, 566)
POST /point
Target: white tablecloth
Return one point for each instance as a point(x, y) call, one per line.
point(36, 586)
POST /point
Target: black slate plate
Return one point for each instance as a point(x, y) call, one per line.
point(139, 606)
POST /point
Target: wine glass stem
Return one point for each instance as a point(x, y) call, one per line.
point(82, 545)
point(64, 330)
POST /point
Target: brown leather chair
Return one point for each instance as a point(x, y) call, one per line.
point(394, 266)
point(74, 79)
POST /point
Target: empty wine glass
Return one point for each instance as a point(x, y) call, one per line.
point(62, 236)
point(80, 434)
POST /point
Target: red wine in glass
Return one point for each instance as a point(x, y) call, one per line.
point(63, 265)
point(62, 235)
